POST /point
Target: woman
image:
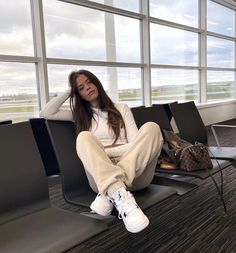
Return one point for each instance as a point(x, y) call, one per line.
point(116, 155)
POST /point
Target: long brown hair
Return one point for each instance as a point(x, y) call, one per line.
point(82, 111)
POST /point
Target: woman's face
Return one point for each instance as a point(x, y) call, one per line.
point(87, 90)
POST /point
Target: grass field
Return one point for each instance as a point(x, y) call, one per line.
point(18, 109)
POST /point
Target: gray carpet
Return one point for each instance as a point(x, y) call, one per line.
point(194, 222)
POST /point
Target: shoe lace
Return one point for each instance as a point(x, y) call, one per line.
point(125, 204)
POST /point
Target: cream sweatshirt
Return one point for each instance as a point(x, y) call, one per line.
point(99, 127)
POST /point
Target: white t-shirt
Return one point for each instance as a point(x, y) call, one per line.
point(99, 126)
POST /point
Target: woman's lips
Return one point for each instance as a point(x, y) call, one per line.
point(91, 93)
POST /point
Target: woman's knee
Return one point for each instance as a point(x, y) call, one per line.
point(83, 139)
point(152, 127)
point(153, 132)
point(83, 136)
point(86, 140)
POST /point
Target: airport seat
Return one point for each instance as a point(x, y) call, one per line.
point(75, 184)
point(156, 113)
point(166, 107)
point(192, 129)
point(28, 221)
point(5, 122)
point(45, 146)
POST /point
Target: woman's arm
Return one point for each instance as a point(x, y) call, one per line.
point(52, 109)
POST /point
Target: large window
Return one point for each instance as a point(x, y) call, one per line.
point(220, 52)
point(220, 85)
point(220, 19)
point(18, 87)
point(18, 91)
point(143, 51)
point(76, 32)
point(176, 48)
point(173, 46)
point(123, 84)
point(174, 85)
point(16, 37)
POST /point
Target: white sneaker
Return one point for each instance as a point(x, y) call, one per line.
point(102, 205)
point(133, 217)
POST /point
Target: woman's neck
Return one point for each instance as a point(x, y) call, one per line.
point(95, 104)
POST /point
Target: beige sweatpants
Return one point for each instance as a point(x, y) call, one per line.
point(134, 169)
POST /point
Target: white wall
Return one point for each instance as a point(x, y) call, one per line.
point(214, 113)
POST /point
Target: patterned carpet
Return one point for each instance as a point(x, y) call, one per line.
point(194, 222)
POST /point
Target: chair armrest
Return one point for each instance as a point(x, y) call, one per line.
point(214, 132)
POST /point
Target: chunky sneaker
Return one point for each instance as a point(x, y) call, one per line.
point(102, 205)
point(131, 214)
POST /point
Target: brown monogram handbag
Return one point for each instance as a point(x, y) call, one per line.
point(180, 154)
point(195, 157)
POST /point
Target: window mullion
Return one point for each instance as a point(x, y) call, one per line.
point(145, 37)
point(40, 51)
point(203, 52)
point(111, 53)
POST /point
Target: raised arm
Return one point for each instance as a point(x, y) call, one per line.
point(52, 109)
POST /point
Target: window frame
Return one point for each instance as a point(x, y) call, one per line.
point(40, 60)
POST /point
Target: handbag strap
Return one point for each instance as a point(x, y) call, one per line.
point(219, 190)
